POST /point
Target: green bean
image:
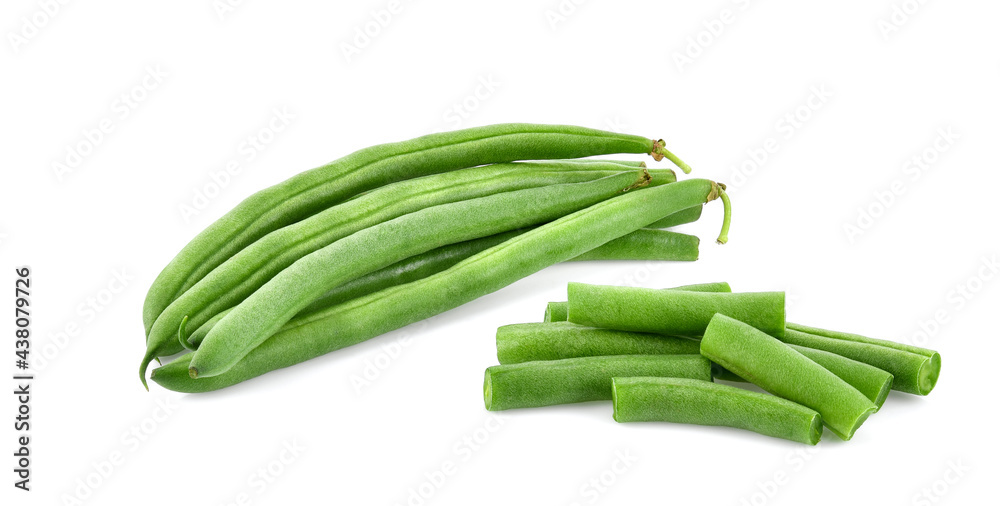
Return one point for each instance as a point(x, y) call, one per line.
point(527, 342)
point(926, 379)
point(312, 191)
point(278, 300)
point(647, 244)
point(366, 317)
point(557, 311)
point(777, 368)
point(911, 373)
point(551, 382)
point(871, 381)
point(689, 215)
point(671, 312)
point(630, 246)
point(680, 400)
point(243, 273)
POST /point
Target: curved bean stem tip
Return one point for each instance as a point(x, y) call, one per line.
point(660, 152)
point(727, 214)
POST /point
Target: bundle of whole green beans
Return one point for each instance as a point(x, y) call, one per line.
point(396, 233)
point(599, 344)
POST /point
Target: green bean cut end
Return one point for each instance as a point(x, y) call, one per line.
point(929, 373)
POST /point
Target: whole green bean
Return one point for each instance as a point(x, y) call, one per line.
point(911, 373)
point(557, 311)
point(551, 382)
point(926, 379)
point(363, 318)
point(689, 215)
point(871, 381)
point(312, 191)
point(679, 400)
point(777, 368)
point(527, 342)
point(648, 244)
point(246, 271)
point(278, 300)
point(671, 312)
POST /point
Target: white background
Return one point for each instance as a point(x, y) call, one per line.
point(603, 64)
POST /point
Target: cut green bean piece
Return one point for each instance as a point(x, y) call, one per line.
point(366, 317)
point(777, 368)
point(647, 244)
point(929, 376)
point(697, 402)
point(671, 312)
point(911, 373)
point(867, 379)
point(550, 382)
point(527, 342)
point(557, 311)
point(689, 215)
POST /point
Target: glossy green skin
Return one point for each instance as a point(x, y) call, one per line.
point(310, 192)
point(486, 272)
point(928, 377)
point(871, 381)
point(689, 215)
point(558, 311)
point(649, 244)
point(246, 271)
point(278, 300)
point(671, 312)
point(911, 373)
point(782, 371)
point(635, 245)
point(678, 400)
point(527, 342)
point(551, 382)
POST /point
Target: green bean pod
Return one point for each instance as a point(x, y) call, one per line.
point(558, 311)
point(679, 400)
point(648, 244)
point(366, 317)
point(278, 300)
point(671, 312)
point(314, 190)
point(871, 381)
point(684, 216)
point(926, 379)
point(911, 373)
point(777, 368)
point(528, 342)
point(246, 271)
point(551, 382)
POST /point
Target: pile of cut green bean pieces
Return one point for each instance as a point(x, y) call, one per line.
point(656, 353)
point(397, 233)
